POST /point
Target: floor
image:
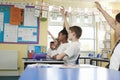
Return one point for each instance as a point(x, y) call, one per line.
point(9, 77)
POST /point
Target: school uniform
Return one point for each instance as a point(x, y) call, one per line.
point(60, 49)
point(115, 58)
point(50, 52)
point(72, 52)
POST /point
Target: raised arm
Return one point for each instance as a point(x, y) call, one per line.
point(110, 20)
point(63, 25)
point(64, 15)
point(51, 35)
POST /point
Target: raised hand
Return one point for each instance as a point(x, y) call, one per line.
point(64, 15)
point(51, 35)
point(62, 10)
point(98, 5)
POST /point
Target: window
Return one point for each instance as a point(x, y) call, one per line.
point(88, 38)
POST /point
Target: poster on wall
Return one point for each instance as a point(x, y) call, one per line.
point(1, 26)
point(10, 33)
point(27, 34)
point(24, 30)
point(29, 18)
point(1, 20)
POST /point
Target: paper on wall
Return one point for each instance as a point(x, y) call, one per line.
point(10, 33)
point(29, 18)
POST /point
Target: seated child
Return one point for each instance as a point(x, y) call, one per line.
point(53, 47)
point(72, 51)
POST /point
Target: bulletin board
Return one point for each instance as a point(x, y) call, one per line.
point(18, 25)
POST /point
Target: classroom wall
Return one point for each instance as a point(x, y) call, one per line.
point(43, 33)
point(22, 48)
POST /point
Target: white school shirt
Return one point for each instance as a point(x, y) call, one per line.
point(50, 51)
point(60, 49)
point(115, 58)
point(72, 52)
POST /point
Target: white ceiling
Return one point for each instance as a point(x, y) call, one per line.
point(79, 3)
point(90, 0)
point(76, 5)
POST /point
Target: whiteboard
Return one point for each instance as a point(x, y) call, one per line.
point(8, 60)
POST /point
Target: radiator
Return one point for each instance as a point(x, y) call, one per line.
point(8, 60)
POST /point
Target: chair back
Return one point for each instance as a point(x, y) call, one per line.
point(77, 61)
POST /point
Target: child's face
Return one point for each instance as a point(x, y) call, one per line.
point(60, 36)
point(71, 35)
point(52, 46)
point(56, 43)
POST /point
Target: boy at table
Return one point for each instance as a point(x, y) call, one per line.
point(72, 52)
point(51, 49)
point(114, 24)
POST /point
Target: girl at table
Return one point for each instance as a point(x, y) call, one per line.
point(115, 24)
point(63, 42)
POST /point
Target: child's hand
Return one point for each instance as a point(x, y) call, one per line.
point(98, 6)
point(62, 10)
point(48, 56)
point(54, 56)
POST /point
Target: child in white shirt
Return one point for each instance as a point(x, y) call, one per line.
point(115, 25)
point(72, 52)
point(53, 47)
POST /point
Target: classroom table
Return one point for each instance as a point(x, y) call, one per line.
point(63, 72)
point(28, 61)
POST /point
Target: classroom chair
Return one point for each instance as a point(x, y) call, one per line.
point(77, 61)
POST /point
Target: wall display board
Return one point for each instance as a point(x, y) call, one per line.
point(18, 25)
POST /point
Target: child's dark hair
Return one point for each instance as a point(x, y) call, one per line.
point(118, 17)
point(64, 32)
point(52, 42)
point(77, 30)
